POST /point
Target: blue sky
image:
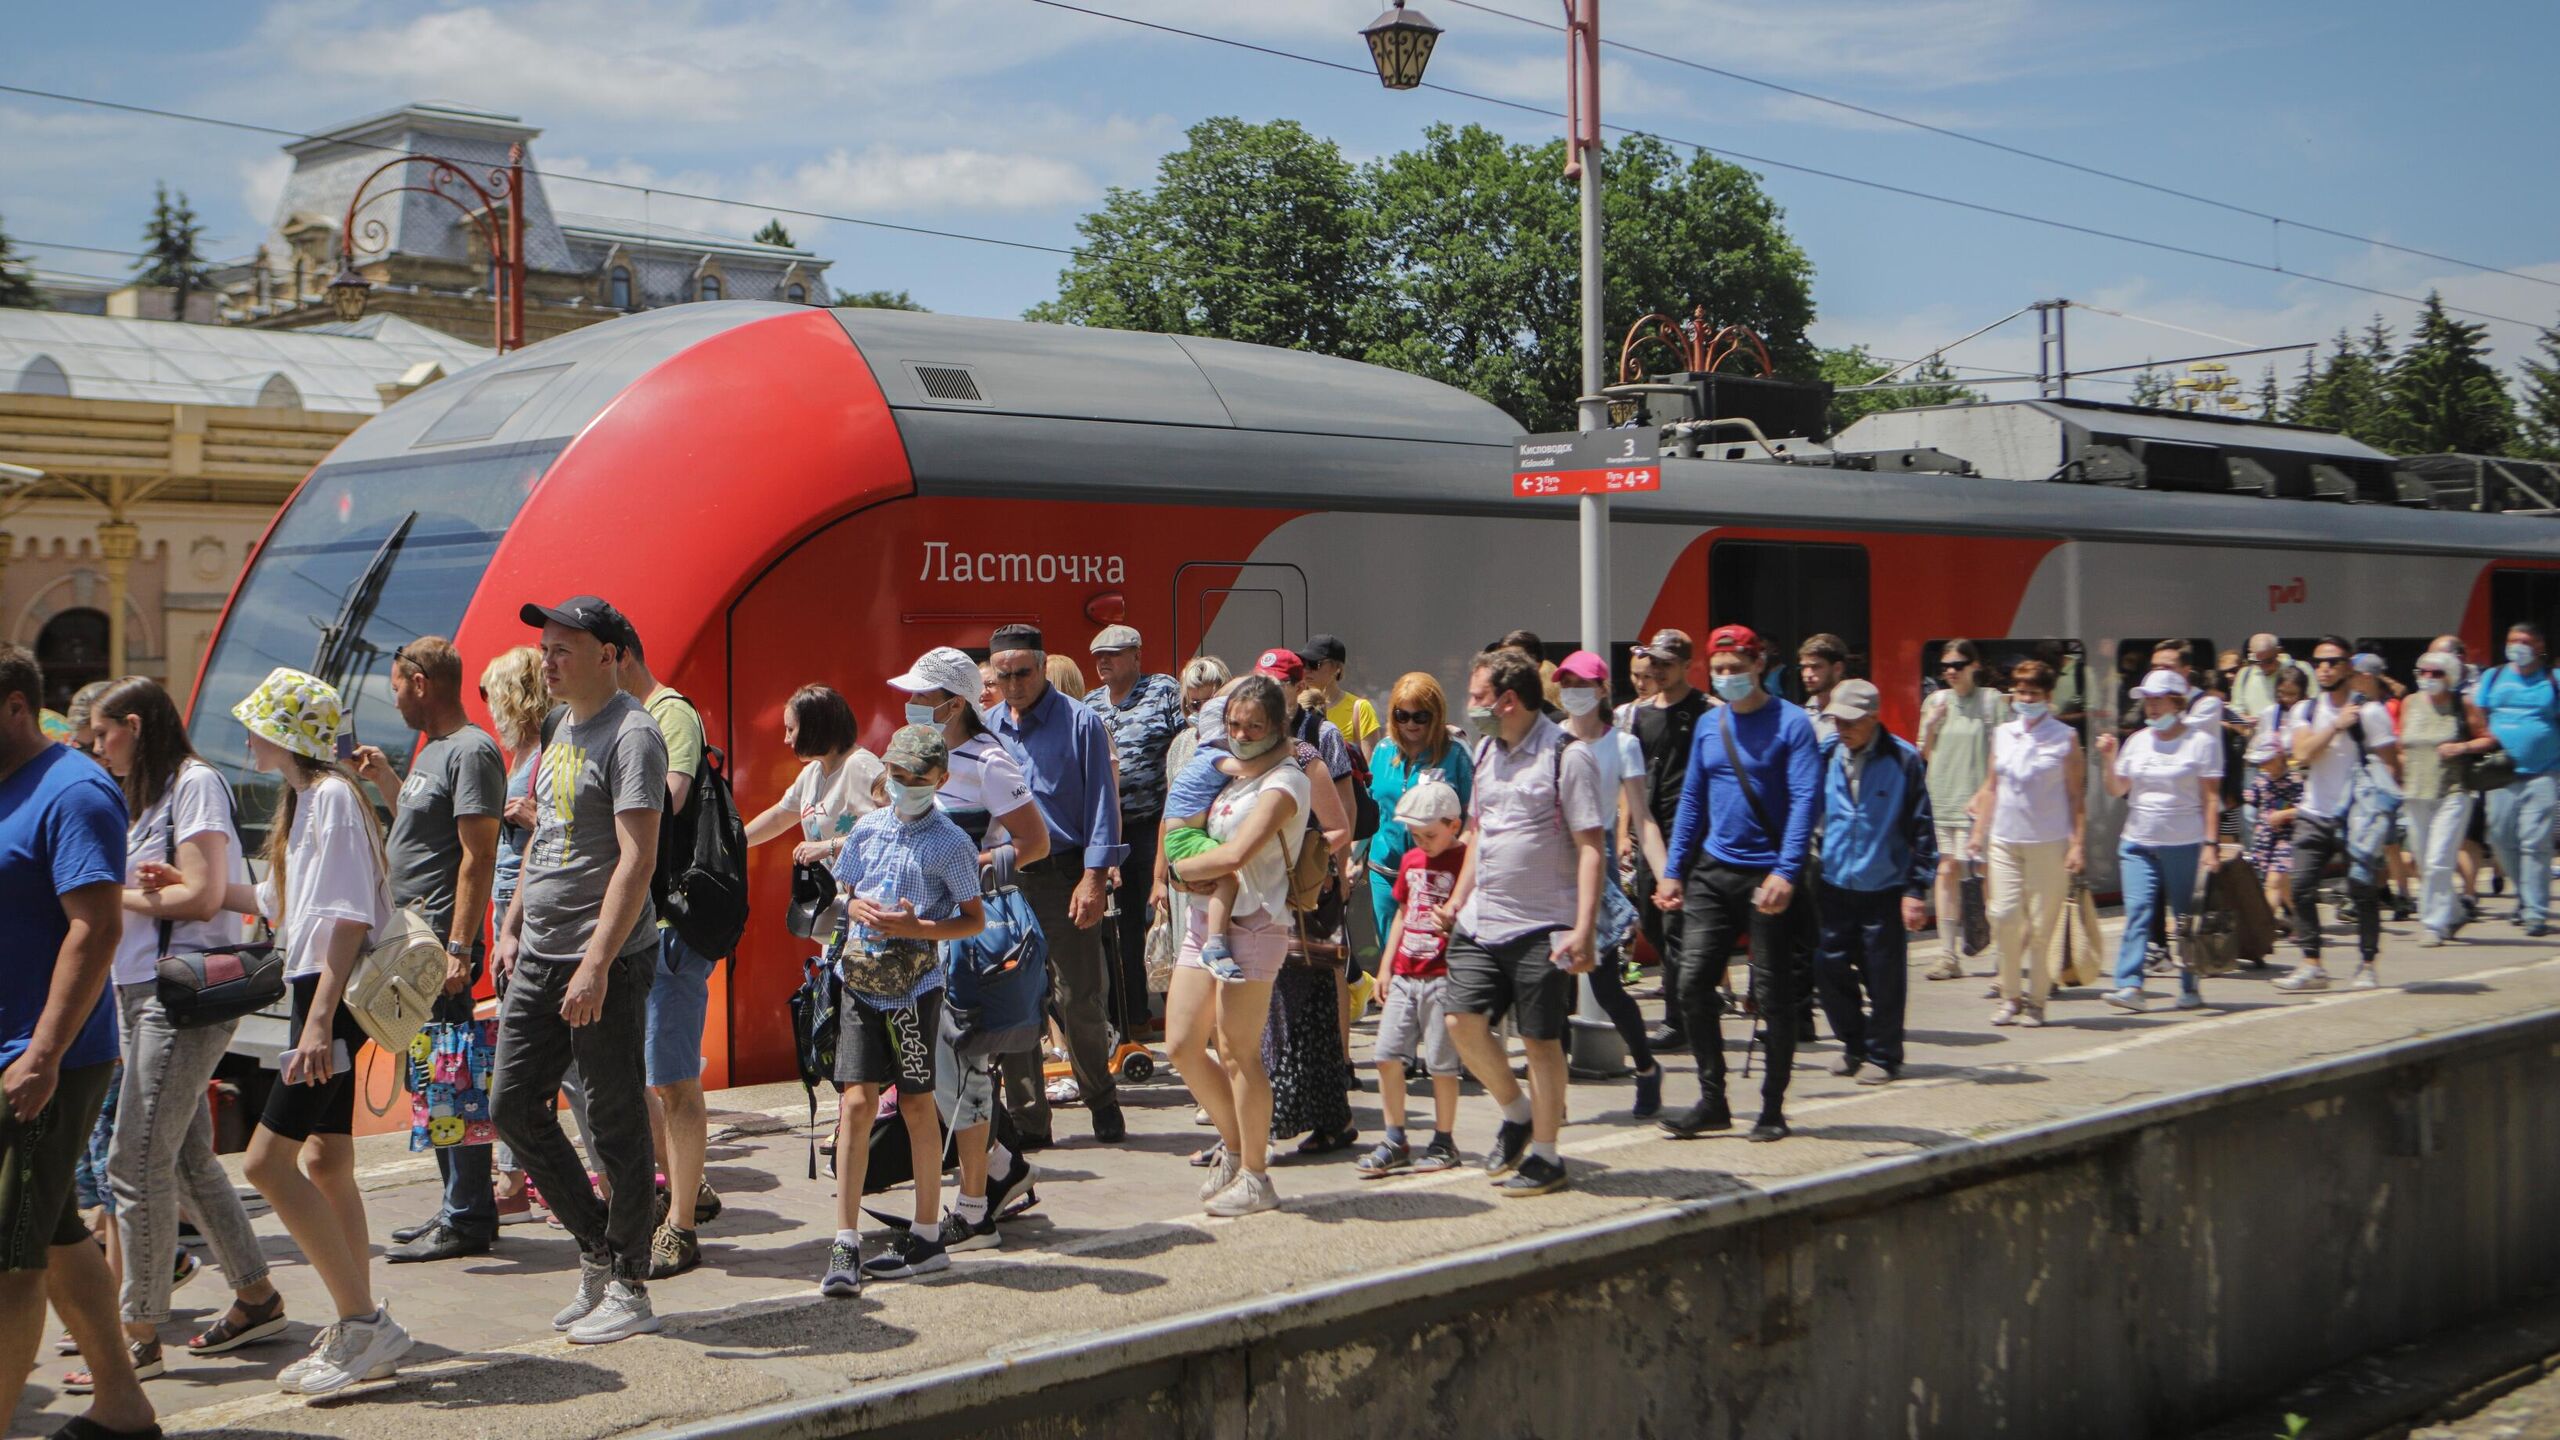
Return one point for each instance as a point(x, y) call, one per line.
point(2423, 126)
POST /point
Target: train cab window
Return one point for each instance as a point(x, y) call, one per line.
point(1787, 591)
point(1999, 657)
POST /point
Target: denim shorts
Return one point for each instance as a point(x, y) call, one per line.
point(679, 998)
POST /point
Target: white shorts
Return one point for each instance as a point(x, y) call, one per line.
point(1413, 1024)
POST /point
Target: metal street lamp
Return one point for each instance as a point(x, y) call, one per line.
point(1400, 43)
point(447, 180)
point(1596, 1044)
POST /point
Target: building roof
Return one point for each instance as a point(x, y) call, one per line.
point(100, 357)
point(632, 234)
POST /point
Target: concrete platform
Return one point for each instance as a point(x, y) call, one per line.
point(1117, 1242)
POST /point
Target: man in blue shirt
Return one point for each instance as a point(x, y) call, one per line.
point(2516, 708)
point(1879, 857)
point(1064, 750)
point(62, 873)
point(1737, 856)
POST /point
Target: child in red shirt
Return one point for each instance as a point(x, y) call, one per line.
point(1412, 998)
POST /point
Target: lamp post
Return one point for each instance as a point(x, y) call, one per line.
point(1401, 42)
point(446, 180)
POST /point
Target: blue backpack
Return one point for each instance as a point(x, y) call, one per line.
point(999, 985)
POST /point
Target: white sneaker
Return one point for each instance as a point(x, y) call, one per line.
point(2129, 998)
point(2190, 1000)
point(2030, 1017)
point(1249, 1194)
point(623, 1313)
point(357, 1350)
point(2305, 977)
point(289, 1379)
point(1221, 1175)
point(593, 1276)
point(2007, 1014)
point(2367, 978)
point(2435, 939)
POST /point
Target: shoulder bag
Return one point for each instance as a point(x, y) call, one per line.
point(202, 988)
point(397, 980)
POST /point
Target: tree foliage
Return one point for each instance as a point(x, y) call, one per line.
point(17, 284)
point(2541, 417)
point(1852, 365)
point(773, 234)
point(876, 300)
point(2348, 391)
point(2444, 397)
point(171, 253)
point(1458, 259)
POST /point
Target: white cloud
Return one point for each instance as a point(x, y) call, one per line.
point(262, 184)
point(893, 178)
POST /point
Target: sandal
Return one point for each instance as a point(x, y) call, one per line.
point(66, 1345)
point(146, 1366)
point(1325, 1142)
point(242, 1324)
point(81, 1427)
point(1203, 1159)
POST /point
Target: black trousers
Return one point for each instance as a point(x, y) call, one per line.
point(1137, 882)
point(535, 1049)
point(1717, 902)
point(2317, 840)
point(1662, 930)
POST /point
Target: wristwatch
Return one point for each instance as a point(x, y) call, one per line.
point(458, 949)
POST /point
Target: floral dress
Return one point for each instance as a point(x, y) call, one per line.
point(2271, 849)
point(1302, 1039)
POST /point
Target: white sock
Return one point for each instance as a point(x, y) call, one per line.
point(1517, 1112)
point(999, 1159)
point(972, 1208)
point(1545, 1152)
point(849, 1237)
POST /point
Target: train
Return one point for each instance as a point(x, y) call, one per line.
point(778, 494)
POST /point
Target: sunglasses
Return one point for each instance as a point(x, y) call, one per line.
point(2329, 659)
point(1411, 717)
point(1015, 674)
point(1955, 664)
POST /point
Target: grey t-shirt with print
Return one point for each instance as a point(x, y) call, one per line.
point(454, 776)
point(591, 771)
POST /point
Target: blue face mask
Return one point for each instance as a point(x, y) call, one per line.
point(1731, 688)
point(919, 713)
point(2520, 655)
point(2032, 710)
point(910, 801)
point(2164, 722)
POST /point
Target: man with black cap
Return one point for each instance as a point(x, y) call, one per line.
point(1326, 657)
point(576, 954)
point(1144, 711)
point(1663, 729)
point(1064, 750)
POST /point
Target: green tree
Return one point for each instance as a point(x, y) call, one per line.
point(1852, 365)
point(1479, 243)
point(2346, 392)
point(1252, 232)
point(17, 284)
point(2151, 389)
point(876, 300)
point(2443, 394)
point(2541, 416)
point(773, 234)
point(170, 253)
point(2270, 398)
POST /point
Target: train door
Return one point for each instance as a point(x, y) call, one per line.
point(2520, 597)
point(1238, 609)
point(1786, 591)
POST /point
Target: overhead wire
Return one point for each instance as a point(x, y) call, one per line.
point(2020, 151)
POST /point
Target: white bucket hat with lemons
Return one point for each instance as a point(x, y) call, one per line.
point(298, 711)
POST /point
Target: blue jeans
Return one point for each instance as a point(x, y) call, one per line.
point(2150, 874)
point(1863, 946)
point(2520, 833)
point(2436, 828)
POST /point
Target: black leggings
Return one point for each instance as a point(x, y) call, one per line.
point(1609, 987)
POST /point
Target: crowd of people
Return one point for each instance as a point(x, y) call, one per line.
point(1265, 849)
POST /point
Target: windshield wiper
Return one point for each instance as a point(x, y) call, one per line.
point(342, 637)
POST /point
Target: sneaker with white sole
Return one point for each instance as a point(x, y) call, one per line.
point(958, 1234)
point(1248, 1194)
point(2190, 1000)
point(843, 1279)
point(2307, 976)
point(2031, 1017)
point(593, 1276)
point(911, 1253)
point(2129, 998)
point(2367, 977)
point(2007, 1014)
point(623, 1313)
point(1222, 1173)
point(356, 1350)
point(289, 1379)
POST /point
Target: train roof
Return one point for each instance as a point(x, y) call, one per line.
point(1008, 408)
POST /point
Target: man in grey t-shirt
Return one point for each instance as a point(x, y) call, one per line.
point(443, 853)
point(576, 955)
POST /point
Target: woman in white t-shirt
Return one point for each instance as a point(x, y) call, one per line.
point(327, 893)
point(839, 784)
point(2027, 820)
point(2169, 773)
point(1258, 820)
point(180, 811)
point(1582, 689)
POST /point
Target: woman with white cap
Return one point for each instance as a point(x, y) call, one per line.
point(2435, 788)
point(326, 894)
point(2169, 773)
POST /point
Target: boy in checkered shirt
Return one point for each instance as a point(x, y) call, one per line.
point(910, 879)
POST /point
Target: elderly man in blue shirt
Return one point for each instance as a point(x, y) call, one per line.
point(1064, 750)
point(1879, 858)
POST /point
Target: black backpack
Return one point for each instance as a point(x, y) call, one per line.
point(1364, 819)
point(700, 884)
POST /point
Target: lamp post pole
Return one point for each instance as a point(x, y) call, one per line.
point(1582, 161)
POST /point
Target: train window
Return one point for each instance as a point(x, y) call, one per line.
point(487, 407)
point(2069, 661)
point(2520, 597)
point(2133, 661)
point(1787, 591)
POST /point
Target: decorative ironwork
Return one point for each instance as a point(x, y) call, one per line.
point(1696, 344)
point(449, 181)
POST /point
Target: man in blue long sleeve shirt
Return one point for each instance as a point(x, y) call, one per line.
point(1737, 857)
point(1064, 750)
point(1879, 857)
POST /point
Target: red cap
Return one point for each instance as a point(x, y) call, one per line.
point(1281, 665)
point(1738, 639)
point(1583, 665)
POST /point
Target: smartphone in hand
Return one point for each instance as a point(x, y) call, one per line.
point(346, 746)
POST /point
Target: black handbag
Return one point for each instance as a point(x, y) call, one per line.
point(813, 912)
point(217, 986)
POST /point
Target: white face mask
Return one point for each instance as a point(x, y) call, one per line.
point(919, 713)
point(910, 801)
point(2432, 684)
point(2031, 710)
point(1578, 699)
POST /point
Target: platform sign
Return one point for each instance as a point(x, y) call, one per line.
point(1604, 462)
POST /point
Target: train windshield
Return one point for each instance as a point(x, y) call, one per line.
point(368, 557)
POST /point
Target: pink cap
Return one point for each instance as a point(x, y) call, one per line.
point(1583, 665)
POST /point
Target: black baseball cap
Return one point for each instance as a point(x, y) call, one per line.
point(583, 612)
point(1323, 649)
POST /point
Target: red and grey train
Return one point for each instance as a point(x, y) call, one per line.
point(778, 495)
